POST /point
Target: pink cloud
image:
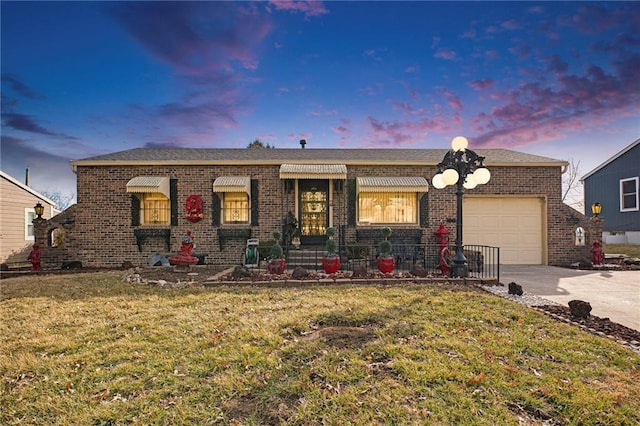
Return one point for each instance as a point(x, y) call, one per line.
point(511, 24)
point(402, 133)
point(535, 112)
point(481, 84)
point(492, 54)
point(445, 53)
point(308, 8)
point(412, 69)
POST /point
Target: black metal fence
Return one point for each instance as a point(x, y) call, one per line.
point(483, 261)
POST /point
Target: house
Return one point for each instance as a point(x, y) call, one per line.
point(615, 185)
point(134, 203)
point(17, 202)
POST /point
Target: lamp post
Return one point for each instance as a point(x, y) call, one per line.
point(596, 209)
point(465, 169)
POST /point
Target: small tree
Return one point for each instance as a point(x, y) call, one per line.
point(257, 143)
point(385, 246)
point(276, 248)
point(331, 248)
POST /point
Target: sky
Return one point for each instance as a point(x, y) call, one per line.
point(80, 79)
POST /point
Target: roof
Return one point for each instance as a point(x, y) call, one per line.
point(266, 156)
point(610, 160)
point(27, 188)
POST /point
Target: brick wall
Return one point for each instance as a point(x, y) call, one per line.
point(102, 233)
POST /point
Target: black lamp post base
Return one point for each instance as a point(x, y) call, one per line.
point(459, 270)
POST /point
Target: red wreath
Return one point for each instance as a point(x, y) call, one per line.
point(194, 208)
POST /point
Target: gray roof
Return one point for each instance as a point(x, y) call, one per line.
point(265, 156)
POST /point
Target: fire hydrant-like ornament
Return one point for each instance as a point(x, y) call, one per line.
point(597, 253)
point(442, 239)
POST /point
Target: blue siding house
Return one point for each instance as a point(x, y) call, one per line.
point(615, 185)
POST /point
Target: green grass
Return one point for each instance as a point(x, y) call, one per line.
point(90, 349)
point(631, 250)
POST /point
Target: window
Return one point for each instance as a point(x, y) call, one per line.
point(235, 207)
point(629, 194)
point(29, 215)
point(387, 207)
point(155, 209)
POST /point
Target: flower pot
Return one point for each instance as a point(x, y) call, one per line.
point(277, 266)
point(386, 264)
point(331, 265)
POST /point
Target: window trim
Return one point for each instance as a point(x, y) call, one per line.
point(622, 194)
point(29, 224)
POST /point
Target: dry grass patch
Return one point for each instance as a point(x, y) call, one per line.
point(91, 349)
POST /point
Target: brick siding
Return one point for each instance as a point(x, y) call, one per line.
point(101, 233)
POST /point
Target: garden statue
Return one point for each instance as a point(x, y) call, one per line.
point(34, 258)
point(184, 260)
point(597, 253)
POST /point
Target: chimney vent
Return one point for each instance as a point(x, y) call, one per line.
point(303, 143)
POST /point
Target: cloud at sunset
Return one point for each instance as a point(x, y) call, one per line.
point(220, 74)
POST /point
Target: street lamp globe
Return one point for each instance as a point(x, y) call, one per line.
point(450, 176)
point(459, 143)
point(469, 182)
point(437, 181)
point(481, 175)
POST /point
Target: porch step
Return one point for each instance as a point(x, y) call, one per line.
point(305, 257)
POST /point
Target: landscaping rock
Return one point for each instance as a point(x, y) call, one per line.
point(580, 309)
point(419, 271)
point(240, 272)
point(515, 289)
point(299, 272)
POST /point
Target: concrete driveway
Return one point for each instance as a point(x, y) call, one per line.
point(612, 294)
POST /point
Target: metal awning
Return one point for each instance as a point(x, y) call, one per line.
point(392, 184)
point(313, 171)
point(232, 184)
point(146, 184)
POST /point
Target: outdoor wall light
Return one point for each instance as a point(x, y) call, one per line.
point(465, 169)
point(596, 209)
point(39, 208)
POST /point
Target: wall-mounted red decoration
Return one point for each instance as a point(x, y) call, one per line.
point(194, 208)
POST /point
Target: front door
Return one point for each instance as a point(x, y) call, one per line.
point(314, 210)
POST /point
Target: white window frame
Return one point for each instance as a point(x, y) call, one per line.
point(622, 194)
point(29, 216)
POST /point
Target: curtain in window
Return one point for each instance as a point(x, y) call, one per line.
point(387, 207)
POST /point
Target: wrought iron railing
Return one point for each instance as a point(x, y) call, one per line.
point(483, 261)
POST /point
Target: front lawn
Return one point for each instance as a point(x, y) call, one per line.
point(90, 349)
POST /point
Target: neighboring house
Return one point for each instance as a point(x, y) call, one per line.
point(17, 202)
point(615, 185)
point(134, 203)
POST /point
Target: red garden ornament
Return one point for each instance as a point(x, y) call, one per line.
point(194, 206)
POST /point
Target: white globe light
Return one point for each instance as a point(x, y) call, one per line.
point(482, 175)
point(450, 177)
point(459, 143)
point(437, 181)
point(469, 182)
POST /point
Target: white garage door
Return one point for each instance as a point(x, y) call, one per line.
point(511, 223)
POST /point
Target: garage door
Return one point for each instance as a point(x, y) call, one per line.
point(513, 224)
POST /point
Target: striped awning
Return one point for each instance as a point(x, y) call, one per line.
point(147, 184)
point(313, 171)
point(392, 184)
point(232, 184)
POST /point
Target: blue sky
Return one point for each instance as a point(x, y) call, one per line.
point(79, 79)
